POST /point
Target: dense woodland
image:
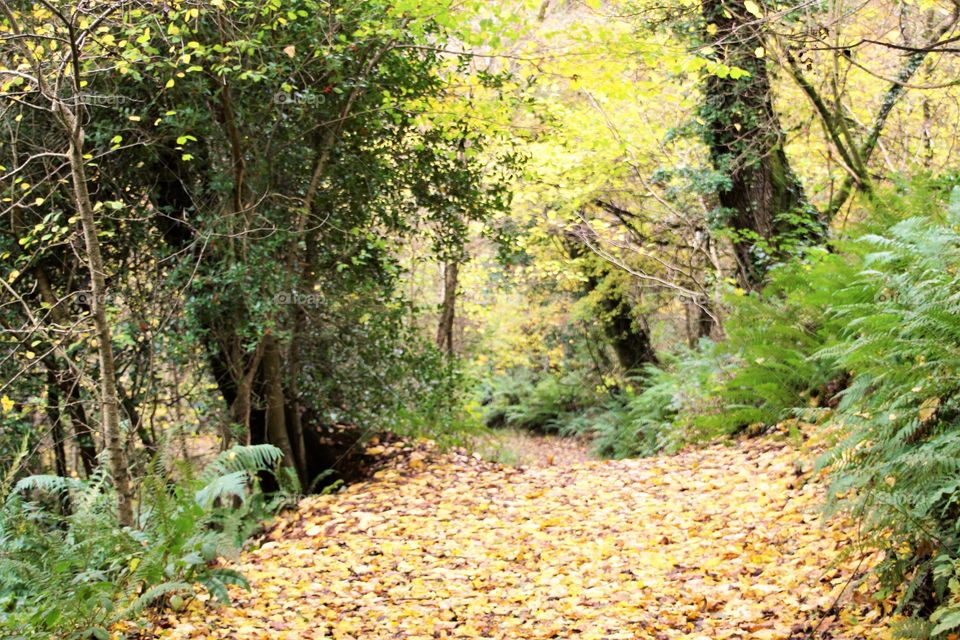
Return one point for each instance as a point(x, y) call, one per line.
point(247, 247)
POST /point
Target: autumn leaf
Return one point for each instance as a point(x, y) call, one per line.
point(928, 409)
point(753, 8)
point(715, 543)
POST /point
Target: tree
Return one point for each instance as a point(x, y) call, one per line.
point(287, 199)
point(921, 30)
point(761, 200)
point(54, 82)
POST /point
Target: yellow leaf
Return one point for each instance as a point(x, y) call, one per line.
point(6, 403)
point(928, 409)
point(753, 8)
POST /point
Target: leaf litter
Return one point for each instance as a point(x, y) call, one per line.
point(709, 544)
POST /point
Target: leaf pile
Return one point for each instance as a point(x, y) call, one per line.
point(724, 542)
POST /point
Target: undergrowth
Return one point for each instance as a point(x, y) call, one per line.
point(68, 571)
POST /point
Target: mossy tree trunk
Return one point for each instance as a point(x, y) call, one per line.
point(763, 204)
point(625, 330)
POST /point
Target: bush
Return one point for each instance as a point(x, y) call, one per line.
point(776, 343)
point(539, 401)
point(771, 364)
point(67, 570)
point(657, 411)
point(897, 467)
point(777, 358)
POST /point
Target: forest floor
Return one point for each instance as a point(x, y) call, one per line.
point(721, 542)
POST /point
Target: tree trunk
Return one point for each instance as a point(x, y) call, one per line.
point(451, 272)
point(240, 407)
point(109, 401)
point(276, 422)
point(67, 382)
point(698, 320)
point(763, 204)
point(298, 322)
point(629, 337)
point(136, 423)
point(55, 416)
point(68, 385)
point(82, 430)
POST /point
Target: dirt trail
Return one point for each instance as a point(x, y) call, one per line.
point(724, 542)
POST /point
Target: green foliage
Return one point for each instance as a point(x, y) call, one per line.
point(259, 171)
point(780, 354)
point(436, 404)
point(657, 410)
point(68, 571)
point(773, 341)
point(895, 467)
point(538, 401)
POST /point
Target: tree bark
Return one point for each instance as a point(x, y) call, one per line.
point(109, 401)
point(629, 336)
point(451, 272)
point(763, 204)
point(298, 323)
point(699, 321)
point(241, 405)
point(54, 415)
point(79, 420)
point(129, 406)
point(276, 422)
point(67, 381)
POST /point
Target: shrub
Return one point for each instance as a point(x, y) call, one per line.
point(67, 570)
point(540, 401)
point(776, 342)
point(656, 411)
point(771, 363)
point(897, 467)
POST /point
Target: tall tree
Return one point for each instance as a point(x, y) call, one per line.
point(55, 84)
point(287, 199)
point(762, 202)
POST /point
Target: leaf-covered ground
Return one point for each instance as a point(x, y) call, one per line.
point(724, 542)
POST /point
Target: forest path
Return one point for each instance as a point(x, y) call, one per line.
point(519, 447)
point(723, 542)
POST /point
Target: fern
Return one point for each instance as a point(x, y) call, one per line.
point(230, 485)
point(74, 575)
point(47, 484)
point(154, 593)
point(897, 466)
point(250, 459)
